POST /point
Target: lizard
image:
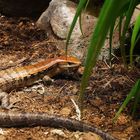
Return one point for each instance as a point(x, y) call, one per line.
point(13, 78)
point(13, 119)
point(19, 77)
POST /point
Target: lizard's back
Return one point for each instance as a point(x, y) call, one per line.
point(23, 76)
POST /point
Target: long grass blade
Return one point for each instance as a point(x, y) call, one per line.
point(80, 7)
point(108, 13)
point(137, 100)
point(80, 17)
point(129, 14)
point(132, 93)
point(134, 37)
point(110, 40)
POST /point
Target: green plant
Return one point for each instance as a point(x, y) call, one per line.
point(135, 92)
point(110, 13)
point(135, 37)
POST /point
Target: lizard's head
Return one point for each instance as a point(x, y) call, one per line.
point(69, 62)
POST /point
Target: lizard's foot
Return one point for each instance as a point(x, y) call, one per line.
point(47, 80)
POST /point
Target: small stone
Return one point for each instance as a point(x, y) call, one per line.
point(90, 136)
point(122, 120)
point(58, 132)
point(65, 111)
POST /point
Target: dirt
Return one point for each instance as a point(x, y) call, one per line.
point(22, 43)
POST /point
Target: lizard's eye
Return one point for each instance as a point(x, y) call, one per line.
point(72, 65)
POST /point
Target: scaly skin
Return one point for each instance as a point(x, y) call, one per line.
point(24, 76)
point(14, 78)
point(44, 119)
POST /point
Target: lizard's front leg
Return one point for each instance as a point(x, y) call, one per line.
point(4, 98)
point(47, 80)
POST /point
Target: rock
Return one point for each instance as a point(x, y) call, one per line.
point(90, 136)
point(65, 111)
point(56, 21)
point(59, 132)
point(59, 16)
point(26, 8)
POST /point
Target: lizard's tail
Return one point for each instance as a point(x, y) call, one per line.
point(44, 119)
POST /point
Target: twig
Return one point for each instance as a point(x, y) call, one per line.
point(78, 112)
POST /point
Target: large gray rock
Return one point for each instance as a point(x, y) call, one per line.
point(58, 17)
point(26, 8)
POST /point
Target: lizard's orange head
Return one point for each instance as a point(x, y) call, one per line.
point(70, 61)
point(73, 60)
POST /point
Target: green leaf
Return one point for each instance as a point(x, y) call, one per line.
point(80, 7)
point(137, 99)
point(129, 14)
point(110, 40)
point(109, 13)
point(80, 17)
point(134, 37)
point(133, 92)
